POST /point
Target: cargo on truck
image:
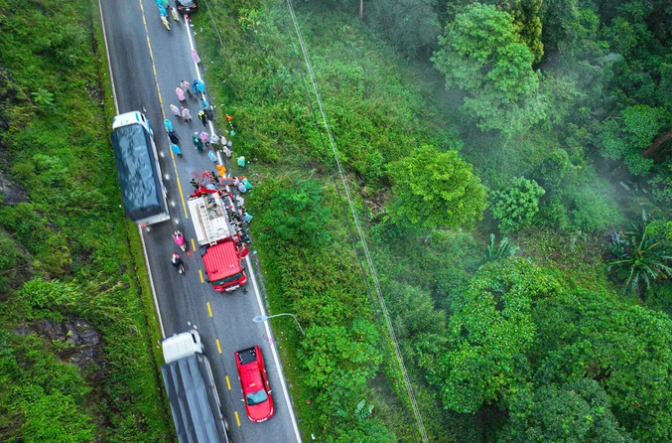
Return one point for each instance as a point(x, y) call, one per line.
point(192, 393)
point(221, 250)
point(139, 171)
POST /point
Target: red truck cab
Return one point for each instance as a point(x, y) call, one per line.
point(220, 249)
point(223, 267)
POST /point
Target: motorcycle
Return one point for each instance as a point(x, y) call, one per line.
point(177, 262)
point(178, 238)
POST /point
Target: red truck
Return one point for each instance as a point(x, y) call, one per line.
point(220, 249)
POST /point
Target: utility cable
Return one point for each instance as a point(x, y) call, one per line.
point(360, 232)
point(358, 255)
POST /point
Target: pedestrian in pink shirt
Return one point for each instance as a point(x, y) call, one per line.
point(180, 94)
point(205, 138)
point(195, 56)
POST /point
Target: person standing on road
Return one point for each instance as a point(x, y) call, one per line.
point(205, 138)
point(198, 144)
point(194, 183)
point(209, 113)
point(176, 149)
point(175, 110)
point(180, 94)
point(185, 87)
point(173, 138)
point(195, 57)
point(203, 118)
point(186, 114)
point(197, 87)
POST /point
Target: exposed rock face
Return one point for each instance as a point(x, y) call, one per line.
point(7, 92)
point(82, 344)
point(12, 192)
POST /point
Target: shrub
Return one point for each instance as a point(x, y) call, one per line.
point(435, 188)
point(516, 206)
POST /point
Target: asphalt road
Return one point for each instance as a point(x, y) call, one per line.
point(147, 63)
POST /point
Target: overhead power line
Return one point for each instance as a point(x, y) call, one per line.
point(360, 233)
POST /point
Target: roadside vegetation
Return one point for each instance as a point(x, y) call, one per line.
point(76, 359)
point(510, 165)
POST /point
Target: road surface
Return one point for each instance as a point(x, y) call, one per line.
point(147, 62)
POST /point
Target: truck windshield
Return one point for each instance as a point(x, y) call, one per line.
point(234, 277)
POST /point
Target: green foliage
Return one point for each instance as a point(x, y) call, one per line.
point(490, 329)
point(293, 211)
point(528, 24)
point(41, 399)
point(576, 412)
point(481, 54)
point(433, 188)
point(626, 349)
point(516, 206)
point(68, 243)
point(553, 355)
point(504, 250)
point(418, 325)
point(338, 362)
point(627, 139)
point(409, 26)
point(374, 107)
point(592, 207)
point(43, 97)
point(641, 257)
point(364, 431)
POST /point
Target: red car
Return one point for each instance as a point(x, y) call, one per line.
point(254, 383)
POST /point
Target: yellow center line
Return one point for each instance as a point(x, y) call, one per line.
point(228, 383)
point(209, 309)
point(163, 114)
point(200, 274)
point(219, 348)
point(237, 418)
point(193, 245)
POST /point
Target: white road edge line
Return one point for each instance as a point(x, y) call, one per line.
point(256, 288)
point(107, 56)
point(116, 107)
point(273, 349)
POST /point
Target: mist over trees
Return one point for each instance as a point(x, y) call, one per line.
point(564, 109)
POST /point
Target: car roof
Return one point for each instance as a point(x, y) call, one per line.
point(250, 377)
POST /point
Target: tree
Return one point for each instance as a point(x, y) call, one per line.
point(491, 328)
point(516, 205)
point(434, 188)
point(527, 22)
point(631, 134)
point(641, 257)
point(578, 412)
point(481, 53)
point(626, 349)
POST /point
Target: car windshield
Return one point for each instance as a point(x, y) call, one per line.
point(187, 3)
point(228, 279)
point(256, 397)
